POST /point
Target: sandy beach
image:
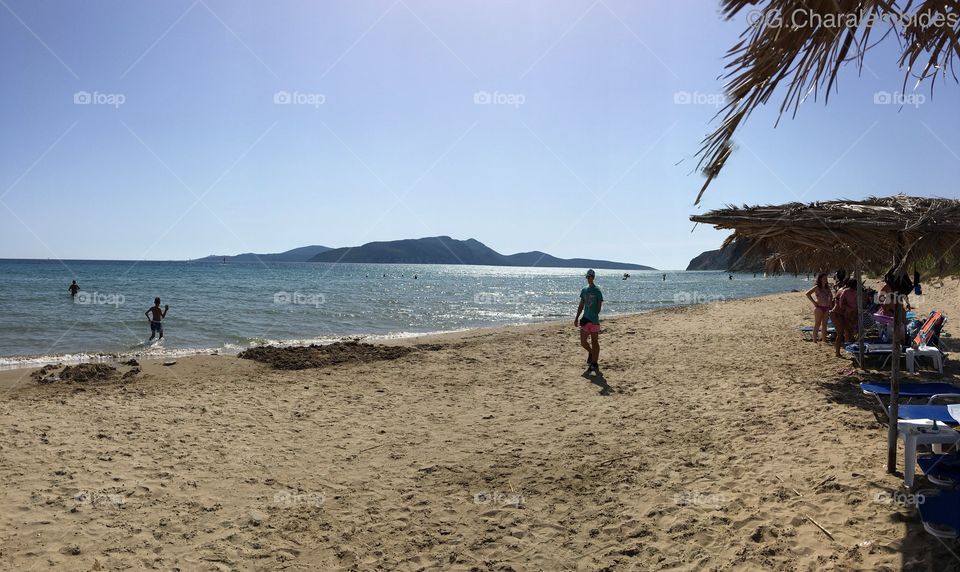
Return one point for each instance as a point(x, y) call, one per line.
point(714, 441)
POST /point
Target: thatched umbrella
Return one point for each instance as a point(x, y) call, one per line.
point(879, 235)
point(801, 45)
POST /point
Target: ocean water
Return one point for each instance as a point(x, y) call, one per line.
point(233, 306)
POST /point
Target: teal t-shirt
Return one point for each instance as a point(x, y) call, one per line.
point(591, 297)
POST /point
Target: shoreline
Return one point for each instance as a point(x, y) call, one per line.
point(29, 361)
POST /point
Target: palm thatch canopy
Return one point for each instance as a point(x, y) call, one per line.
point(896, 233)
point(890, 234)
point(802, 45)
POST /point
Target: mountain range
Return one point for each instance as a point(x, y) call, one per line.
point(429, 250)
point(302, 254)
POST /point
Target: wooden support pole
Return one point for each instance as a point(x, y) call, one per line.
point(859, 277)
point(895, 370)
point(894, 389)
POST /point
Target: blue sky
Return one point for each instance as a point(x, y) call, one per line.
point(231, 126)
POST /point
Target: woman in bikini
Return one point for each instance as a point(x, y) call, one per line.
point(844, 314)
point(822, 299)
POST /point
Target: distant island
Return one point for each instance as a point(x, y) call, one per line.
point(302, 254)
point(429, 250)
point(446, 250)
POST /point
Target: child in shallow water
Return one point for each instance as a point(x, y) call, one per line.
point(156, 316)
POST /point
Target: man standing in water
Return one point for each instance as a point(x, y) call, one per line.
point(74, 288)
point(591, 299)
point(156, 316)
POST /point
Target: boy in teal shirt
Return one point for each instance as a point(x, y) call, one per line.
point(591, 300)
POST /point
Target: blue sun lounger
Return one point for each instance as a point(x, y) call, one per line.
point(940, 512)
point(938, 413)
point(807, 331)
point(909, 391)
point(941, 470)
point(873, 349)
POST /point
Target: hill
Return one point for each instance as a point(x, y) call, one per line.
point(302, 254)
point(730, 257)
point(446, 250)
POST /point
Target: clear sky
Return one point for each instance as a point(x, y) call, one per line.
point(176, 129)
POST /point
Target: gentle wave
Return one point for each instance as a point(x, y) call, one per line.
point(161, 353)
point(228, 308)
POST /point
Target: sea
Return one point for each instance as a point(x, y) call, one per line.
point(218, 307)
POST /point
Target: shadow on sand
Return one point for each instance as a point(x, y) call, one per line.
point(597, 379)
point(919, 550)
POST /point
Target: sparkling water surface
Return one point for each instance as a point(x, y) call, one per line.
point(232, 306)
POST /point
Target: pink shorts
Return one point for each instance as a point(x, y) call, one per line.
point(590, 328)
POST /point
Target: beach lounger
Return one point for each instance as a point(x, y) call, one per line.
point(938, 413)
point(807, 331)
point(911, 391)
point(873, 349)
point(928, 336)
point(940, 512)
point(941, 470)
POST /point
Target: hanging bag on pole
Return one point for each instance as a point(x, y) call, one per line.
point(902, 284)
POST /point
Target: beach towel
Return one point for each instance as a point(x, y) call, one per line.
point(954, 411)
point(930, 330)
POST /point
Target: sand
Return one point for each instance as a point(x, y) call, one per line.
point(714, 439)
